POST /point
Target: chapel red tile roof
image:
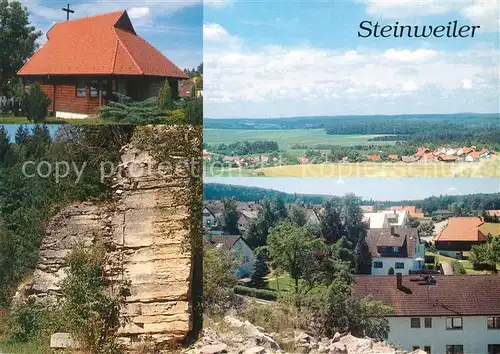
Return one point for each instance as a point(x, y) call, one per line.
point(105, 44)
point(462, 229)
point(452, 295)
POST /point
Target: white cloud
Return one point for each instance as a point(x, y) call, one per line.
point(466, 84)
point(291, 81)
point(408, 8)
point(217, 3)
point(410, 56)
point(485, 13)
point(214, 32)
point(138, 12)
point(410, 86)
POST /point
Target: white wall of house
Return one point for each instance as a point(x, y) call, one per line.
point(475, 335)
point(388, 262)
point(409, 263)
point(245, 257)
point(208, 218)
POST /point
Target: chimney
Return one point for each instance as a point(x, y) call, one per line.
point(399, 281)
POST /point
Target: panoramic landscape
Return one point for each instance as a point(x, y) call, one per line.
point(351, 258)
point(459, 145)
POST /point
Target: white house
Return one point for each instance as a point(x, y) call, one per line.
point(439, 314)
point(376, 220)
point(312, 217)
point(396, 249)
point(240, 250)
point(208, 218)
point(397, 218)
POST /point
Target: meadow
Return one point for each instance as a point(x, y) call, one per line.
point(287, 138)
point(487, 168)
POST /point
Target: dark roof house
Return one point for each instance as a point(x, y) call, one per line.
point(383, 242)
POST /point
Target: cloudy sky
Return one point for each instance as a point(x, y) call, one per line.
point(303, 58)
point(173, 27)
point(370, 188)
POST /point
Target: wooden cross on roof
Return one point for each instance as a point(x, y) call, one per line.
point(68, 11)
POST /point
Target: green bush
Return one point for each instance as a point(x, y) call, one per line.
point(91, 307)
point(143, 112)
point(194, 111)
point(36, 104)
point(258, 293)
point(165, 101)
point(30, 321)
point(218, 280)
point(458, 268)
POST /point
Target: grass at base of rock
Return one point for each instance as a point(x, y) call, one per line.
point(8, 347)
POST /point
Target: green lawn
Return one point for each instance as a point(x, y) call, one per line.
point(52, 120)
point(287, 138)
point(282, 283)
point(491, 228)
point(467, 264)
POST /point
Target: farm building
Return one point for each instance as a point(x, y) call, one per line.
point(459, 236)
point(86, 61)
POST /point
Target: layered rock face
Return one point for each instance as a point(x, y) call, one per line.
point(146, 230)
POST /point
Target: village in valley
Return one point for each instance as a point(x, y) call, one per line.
point(434, 262)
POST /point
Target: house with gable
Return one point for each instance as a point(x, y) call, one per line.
point(459, 236)
point(376, 220)
point(312, 217)
point(209, 218)
point(87, 61)
point(396, 249)
point(438, 314)
point(241, 252)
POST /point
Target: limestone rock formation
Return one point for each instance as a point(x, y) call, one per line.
point(241, 337)
point(146, 229)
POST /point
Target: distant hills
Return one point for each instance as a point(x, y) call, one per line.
point(317, 122)
point(473, 202)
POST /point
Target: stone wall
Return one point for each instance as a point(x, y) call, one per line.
point(146, 229)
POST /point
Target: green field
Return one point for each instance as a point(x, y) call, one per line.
point(367, 169)
point(287, 138)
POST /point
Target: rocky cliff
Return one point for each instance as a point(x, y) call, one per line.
point(147, 229)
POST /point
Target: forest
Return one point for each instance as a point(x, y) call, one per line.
point(466, 119)
point(460, 205)
point(28, 199)
point(243, 148)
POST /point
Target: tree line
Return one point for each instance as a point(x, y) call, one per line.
point(244, 147)
point(459, 204)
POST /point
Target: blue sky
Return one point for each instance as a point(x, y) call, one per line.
point(302, 58)
point(370, 188)
point(173, 27)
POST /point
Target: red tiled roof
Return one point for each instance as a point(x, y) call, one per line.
point(447, 158)
point(493, 212)
point(104, 44)
point(374, 157)
point(453, 295)
point(393, 157)
point(462, 229)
